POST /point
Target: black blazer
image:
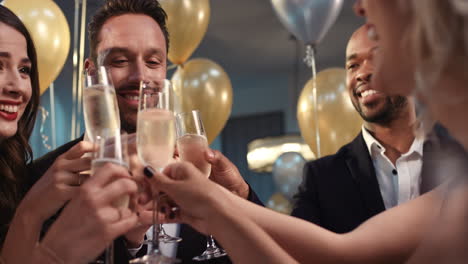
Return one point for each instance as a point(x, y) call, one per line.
point(193, 243)
point(340, 191)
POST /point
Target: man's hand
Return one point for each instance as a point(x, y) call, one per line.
point(144, 209)
point(141, 202)
point(226, 174)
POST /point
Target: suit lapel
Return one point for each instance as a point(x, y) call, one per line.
point(362, 170)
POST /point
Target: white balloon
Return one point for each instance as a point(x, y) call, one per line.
point(308, 20)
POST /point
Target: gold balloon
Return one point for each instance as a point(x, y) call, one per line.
point(338, 121)
point(50, 32)
point(203, 85)
point(187, 24)
point(280, 203)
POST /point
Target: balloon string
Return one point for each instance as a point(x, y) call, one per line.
point(310, 61)
point(44, 115)
point(81, 62)
point(52, 113)
point(75, 69)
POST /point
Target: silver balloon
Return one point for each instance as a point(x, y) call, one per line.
point(287, 173)
point(308, 20)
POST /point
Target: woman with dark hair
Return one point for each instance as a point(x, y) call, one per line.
point(15, 151)
point(88, 222)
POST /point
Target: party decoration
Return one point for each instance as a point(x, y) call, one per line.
point(287, 173)
point(308, 20)
point(279, 203)
point(263, 152)
point(203, 85)
point(50, 32)
point(45, 139)
point(338, 121)
point(187, 24)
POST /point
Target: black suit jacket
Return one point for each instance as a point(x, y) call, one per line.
point(340, 191)
point(193, 243)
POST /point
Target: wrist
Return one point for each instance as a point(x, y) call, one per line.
point(53, 245)
point(219, 208)
point(43, 254)
point(26, 213)
point(26, 225)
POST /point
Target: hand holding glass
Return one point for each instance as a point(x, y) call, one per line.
point(155, 147)
point(192, 145)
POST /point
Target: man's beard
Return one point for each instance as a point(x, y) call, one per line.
point(389, 112)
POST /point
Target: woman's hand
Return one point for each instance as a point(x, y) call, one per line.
point(196, 196)
point(59, 184)
point(90, 222)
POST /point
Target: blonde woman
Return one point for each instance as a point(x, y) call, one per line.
point(423, 50)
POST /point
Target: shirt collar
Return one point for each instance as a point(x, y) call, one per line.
point(372, 143)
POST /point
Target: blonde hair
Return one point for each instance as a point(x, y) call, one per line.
point(437, 35)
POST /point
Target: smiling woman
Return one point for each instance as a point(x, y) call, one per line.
point(26, 202)
point(19, 100)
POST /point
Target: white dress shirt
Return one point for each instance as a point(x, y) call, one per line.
point(401, 182)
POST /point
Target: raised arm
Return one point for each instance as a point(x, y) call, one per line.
point(209, 211)
point(387, 238)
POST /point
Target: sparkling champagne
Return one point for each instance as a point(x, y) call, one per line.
point(101, 112)
point(156, 137)
point(191, 149)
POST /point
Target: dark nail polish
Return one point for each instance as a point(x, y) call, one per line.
point(162, 209)
point(138, 214)
point(148, 171)
point(171, 215)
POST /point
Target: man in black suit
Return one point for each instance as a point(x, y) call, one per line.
point(380, 168)
point(130, 38)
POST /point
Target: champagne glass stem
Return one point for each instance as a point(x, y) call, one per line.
point(110, 254)
point(156, 229)
point(210, 243)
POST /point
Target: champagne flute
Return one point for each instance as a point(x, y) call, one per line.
point(156, 134)
point(111, 150)
point(155, 147)
point(101, 115)
point(101, 112)
point(192, 144)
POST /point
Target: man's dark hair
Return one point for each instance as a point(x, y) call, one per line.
point(113, 8)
